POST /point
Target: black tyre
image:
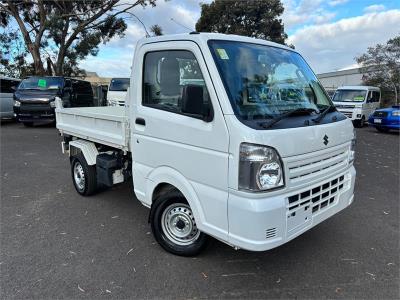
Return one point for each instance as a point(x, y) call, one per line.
point(28, 124)
point(359, 123)
point(83, 175)
point(174, 226)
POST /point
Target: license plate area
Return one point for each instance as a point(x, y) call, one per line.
point(378, 121)
point(298, 219)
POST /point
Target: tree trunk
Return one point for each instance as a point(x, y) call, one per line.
point(37, 61)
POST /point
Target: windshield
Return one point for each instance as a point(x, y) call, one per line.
point(265, 81)
point(41, 83)
point(119, 84)
point(350, 95)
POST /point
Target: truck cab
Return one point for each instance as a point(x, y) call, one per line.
point(117, 91)
point(357, 102)
point(223, 136)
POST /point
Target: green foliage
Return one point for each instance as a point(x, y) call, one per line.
point(253, 18)
point(381, 66)
point(156, 30)
point(59, 34)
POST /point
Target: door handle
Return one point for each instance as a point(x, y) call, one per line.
point(140, 121)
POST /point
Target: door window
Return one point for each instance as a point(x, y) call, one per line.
point(172, 81)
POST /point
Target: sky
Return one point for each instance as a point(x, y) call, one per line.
point(329, 34)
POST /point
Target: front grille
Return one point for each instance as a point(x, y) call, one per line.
point(348, 114)
point(306, 168)
point(380, 114)
point(317, 198)
point(270, 233)
point(344, 106)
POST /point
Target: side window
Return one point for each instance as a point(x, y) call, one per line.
point(172, 81)
point(6, 86)
point(370, 97)
point(376, 96)
point(68, 83)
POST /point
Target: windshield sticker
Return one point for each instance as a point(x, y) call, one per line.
point(42, 83)
point(222, 53)
point(358, 98)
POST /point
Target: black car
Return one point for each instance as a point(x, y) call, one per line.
point(34, 99)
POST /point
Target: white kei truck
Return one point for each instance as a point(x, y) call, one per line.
point(223, 136)
point(357, 102)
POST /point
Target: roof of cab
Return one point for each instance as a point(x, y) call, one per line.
point(358, 87)
point(205, 36)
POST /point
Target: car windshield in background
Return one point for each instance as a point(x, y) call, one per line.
point(350, 95)
point(119, 84)
point(41, 83)
point(265, 81)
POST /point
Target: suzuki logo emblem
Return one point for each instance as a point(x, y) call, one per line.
point(326, 140)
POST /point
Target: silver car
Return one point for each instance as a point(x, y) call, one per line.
point(7, 87)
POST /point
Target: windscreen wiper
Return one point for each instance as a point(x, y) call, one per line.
point(286, 115)
point(330, 108)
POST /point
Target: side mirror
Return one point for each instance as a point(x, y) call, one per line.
point(13, 88)
point(193, 103)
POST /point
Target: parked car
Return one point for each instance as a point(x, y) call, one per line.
point(117, 91)
point(357, 102)
point(212, 149)
point(34, 98)
point(386, 119)
point(8, 86)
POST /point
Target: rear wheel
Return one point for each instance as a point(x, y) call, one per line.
point(83, 175)
point(174, 226)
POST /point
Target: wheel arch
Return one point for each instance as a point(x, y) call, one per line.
point(87, 148)
point(164, 178)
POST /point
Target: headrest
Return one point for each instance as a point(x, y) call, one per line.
point(170, 77)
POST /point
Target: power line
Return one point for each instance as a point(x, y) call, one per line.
point(190, 29)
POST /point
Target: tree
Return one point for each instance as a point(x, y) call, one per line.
point(156, 30)
point(61, 33)
point(13, 55)
point(380, 66)
point(254, 18)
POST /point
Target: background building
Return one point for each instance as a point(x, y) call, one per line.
point(332, 80)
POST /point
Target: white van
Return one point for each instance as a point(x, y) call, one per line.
point(357, 102)
point(8, 86)
point(117, 91)
point(224, 136)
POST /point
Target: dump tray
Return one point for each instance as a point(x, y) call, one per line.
point(106, 125)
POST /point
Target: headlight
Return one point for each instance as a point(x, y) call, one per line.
point(17, 103)
point(396, 113)
point(53, 104)
point(260, 168)
point(112, 103)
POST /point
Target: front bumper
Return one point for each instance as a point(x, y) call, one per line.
point(266, 223)
point(34, 113)
point(388, 122)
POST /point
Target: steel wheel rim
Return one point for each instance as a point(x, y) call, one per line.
point(178, 224)
point(79, 176)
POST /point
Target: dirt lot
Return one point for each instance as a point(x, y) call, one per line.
point(57, 244)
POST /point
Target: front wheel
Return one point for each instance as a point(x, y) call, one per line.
point(174, 226)
point(83, 176)
point(359, 123)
